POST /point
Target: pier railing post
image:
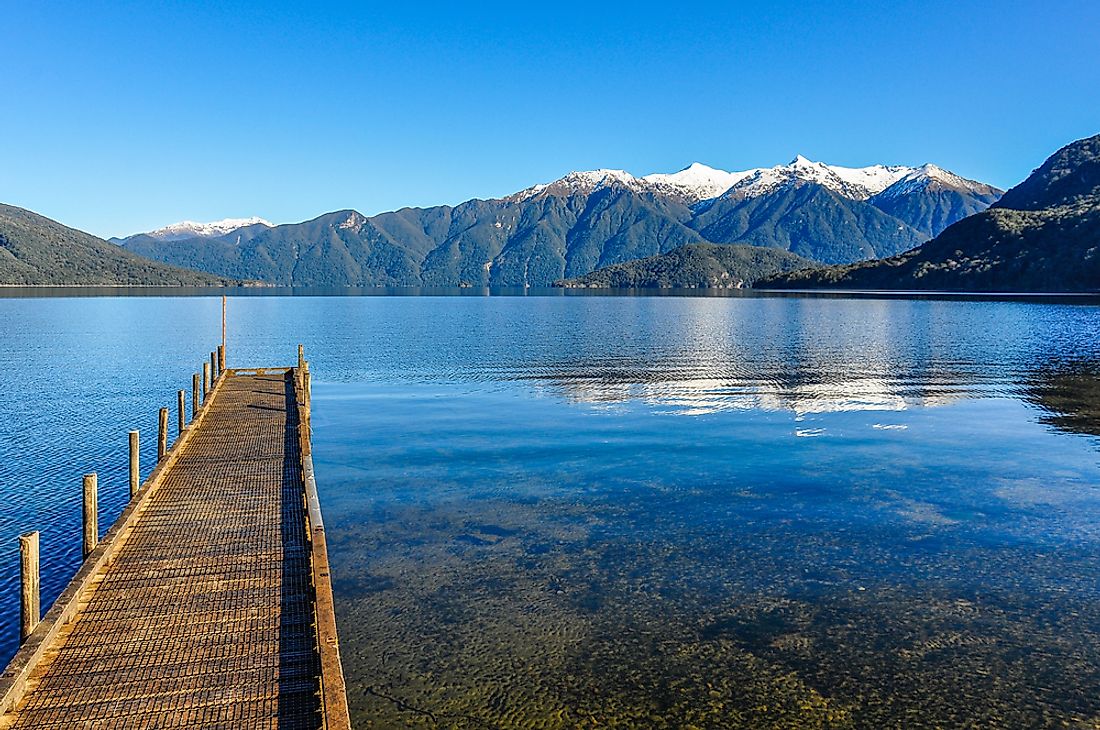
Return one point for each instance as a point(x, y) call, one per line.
point(206, 386)
point(30, 610)
point(221, 358)
point(162, 434)
point(91, 513)
point(195, 402)
point(301, 356)
point(213, 366)
point(181, 411)
point(135, 463)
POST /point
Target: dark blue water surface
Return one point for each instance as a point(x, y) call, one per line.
point(568, 511)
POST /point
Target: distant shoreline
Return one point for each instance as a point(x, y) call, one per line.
point(14, 291)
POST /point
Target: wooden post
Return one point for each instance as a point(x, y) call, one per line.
point(162, 434)
point(206, 386)
point(30, 611)
point(135, 463)
point(221, 350)
point(213, 367)
point(91, 514)
point(301, 355)
point(195, 402)
point(181, 410)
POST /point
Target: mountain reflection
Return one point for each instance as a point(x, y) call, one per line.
point(805, 356)
point(803, 390)
point(1069, 395)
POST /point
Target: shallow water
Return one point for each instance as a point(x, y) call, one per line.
point(571, 511)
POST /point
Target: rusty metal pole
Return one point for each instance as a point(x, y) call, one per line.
point(162, 434)
point(30, 610)
point(135, 463)
point(91, 513)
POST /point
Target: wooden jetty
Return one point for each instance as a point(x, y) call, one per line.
point(208, 604)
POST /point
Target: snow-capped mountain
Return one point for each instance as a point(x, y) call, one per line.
point(930, 177)
point(930, 198)
point(192, 229)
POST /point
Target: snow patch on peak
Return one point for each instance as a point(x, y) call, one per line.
point(193, 229)
point(354, 220)
point(934, 172)
point(696, 182)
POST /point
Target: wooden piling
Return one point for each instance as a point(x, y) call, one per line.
point(301, 355)
point(181, 411)
point(195, 402)
point(91, 513)
point(162, 434)
point(135, 463)
point(221, 358)
point(213, 366)
point(206, 385)
point(30, 610)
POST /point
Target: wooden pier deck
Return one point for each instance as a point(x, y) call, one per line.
point(208, 604)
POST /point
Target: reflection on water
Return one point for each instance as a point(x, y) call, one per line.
point(1069, 394)
point(574, 511)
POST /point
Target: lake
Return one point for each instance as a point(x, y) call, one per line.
point(654, 512)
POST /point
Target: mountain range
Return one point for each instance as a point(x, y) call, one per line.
point(36, 251)
point(586, 221)
point(1042, 236)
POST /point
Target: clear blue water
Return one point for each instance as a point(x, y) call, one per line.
point(564, 511)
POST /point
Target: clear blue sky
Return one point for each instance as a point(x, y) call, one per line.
point(121, 117)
